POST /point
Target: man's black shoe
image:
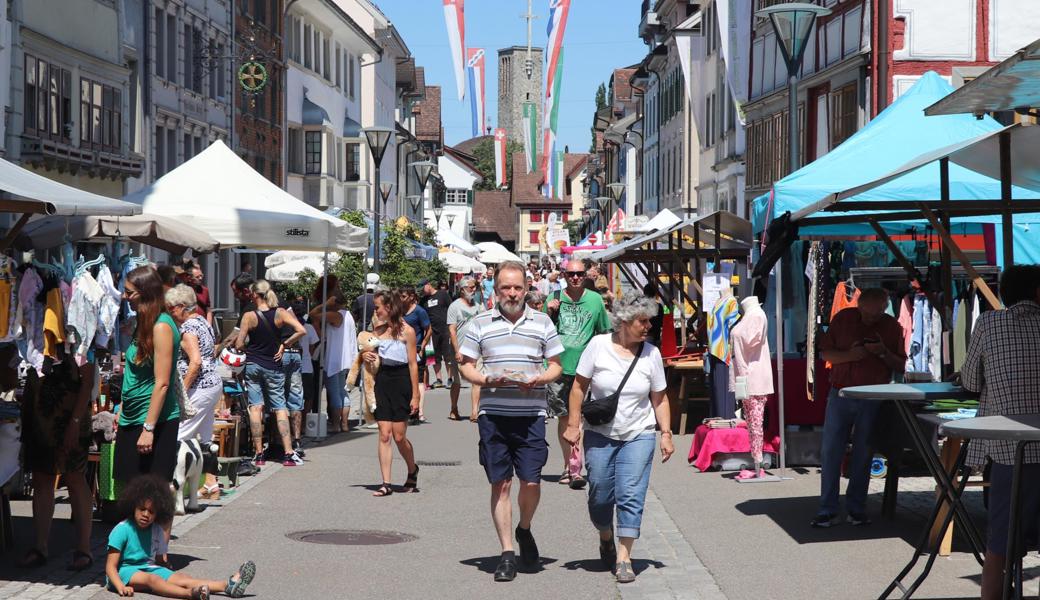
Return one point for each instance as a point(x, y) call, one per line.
point(506, 570)
point(528, 549)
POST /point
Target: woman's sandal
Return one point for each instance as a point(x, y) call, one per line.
point(33, 559)
point(383, 491)
point(564, 479)
point(236, 588)
point(210, 492)
point(411, 485)
point(80, 561)
point(200, 593)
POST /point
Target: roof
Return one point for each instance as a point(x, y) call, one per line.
point(420, 82)
point(494, 213)
point(468, 160)
point(1014, 83)
point(574, 163)
point(527, 186)
point(405, 74)
point(622, 87)
point(428, 127)
point(468, 146)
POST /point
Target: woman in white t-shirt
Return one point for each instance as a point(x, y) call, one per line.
point(618, 454)
point(338, 351)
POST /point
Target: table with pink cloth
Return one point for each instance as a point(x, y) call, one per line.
point(707, 442)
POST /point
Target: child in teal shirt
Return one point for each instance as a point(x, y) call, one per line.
point(135, 541)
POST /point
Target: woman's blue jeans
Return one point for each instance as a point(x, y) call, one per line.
point(619, 473)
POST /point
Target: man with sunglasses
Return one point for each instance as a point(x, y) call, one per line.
point(579, 315)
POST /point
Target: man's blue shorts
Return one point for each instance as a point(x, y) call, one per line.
point(1000, 506)
point(512, 444)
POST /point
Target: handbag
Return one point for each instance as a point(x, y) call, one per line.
point(600, 411)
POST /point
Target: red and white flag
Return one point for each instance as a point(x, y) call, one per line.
point(500, 158)
point(616, 224)
point(456, 22)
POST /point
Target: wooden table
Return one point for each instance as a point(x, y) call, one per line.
point(684, 377)
point(225, 433)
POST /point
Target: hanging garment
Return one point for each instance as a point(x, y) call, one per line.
point(721, 320)
point(53, 322)
point(842, 300)
point(906, 320)
point(795, 315)
point(976, 310)
point(935, 347)
point(30, 315)
point(960, 334)
point(814, 270)
point(83, 314)
point(108, 310)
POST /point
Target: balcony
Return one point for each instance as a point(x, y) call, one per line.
point(65, 158)
point(650, 24)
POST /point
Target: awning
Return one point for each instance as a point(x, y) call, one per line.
point(40, 195)
point(720, 235)
point(313, 114)
point(447, 237)
point(156, 231)
point(1014, 83)
point(351, 128)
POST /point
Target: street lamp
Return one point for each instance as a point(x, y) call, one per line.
point(423, 169)
point(616, 190)
point(437, 212)
point(604, 210)
point(385, 189)
point(792, 22)
point(378, 138)
point(416, 201)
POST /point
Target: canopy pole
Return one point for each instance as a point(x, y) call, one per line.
point(779, 287)
point(1006, 222)
point(946, 271)
point(15, 230)
point(977, 279)
point(324, 336)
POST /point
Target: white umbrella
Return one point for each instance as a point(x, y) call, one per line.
point(157, 231)
point(460, 263)
point(291, 271)
point(286, 256)
point(495, 253)
point(447, 237)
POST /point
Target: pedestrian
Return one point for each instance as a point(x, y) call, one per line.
point(260, 337)
point(619, 453)
point(364, 305)
point(579, 315)
point(309, 366)
point(146, 439)
point(553, 280)
point(339, 349)
point(436, 301)
point(514, 342)
point(396, 388)
point(591, 275)
point(130, 567)
point(197, 369)
point(460, 313)
point(535, 300)
point(541, 284)
point(418, 319)
point(195, 279)
point(1003, 364)
point(865, 347)
point(487, 288)
point(292, 368)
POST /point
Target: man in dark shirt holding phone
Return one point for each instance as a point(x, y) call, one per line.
point(865, 347)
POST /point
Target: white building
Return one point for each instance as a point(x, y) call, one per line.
point(326, 51)
point(460, 176)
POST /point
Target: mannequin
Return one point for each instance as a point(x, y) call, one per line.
point(751, 375)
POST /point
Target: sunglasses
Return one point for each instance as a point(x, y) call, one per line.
point(575, 273)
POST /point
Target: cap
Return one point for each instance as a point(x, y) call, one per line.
point(423, 283)
point(372, 280)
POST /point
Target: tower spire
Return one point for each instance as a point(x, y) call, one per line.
point(529, 17)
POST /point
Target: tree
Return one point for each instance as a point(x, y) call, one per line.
point(573, 228)
point(398, 267)
point(601, 103)
point(485, 155)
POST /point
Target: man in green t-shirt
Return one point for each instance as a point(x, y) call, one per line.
point(579, 314)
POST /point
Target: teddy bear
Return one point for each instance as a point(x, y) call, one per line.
point(367, 342)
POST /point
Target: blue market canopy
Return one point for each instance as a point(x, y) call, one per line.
point(899, 135)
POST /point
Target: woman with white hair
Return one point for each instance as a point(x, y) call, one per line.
point(197, 367)
point(620, 449)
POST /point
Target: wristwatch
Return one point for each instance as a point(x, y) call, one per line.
point(148, 427)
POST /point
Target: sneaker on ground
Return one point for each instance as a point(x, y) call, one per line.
point(437, 384)
point(372, 425)
point(298, 448)
point(292, 459)
point(451, 382)
point(259, 459)
point(857, 519)
point(824, 520)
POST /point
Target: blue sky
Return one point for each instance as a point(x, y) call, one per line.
point(601, 36)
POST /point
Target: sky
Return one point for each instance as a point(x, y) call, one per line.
point(601, 35)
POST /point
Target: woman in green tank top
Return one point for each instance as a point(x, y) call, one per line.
point(146, 441)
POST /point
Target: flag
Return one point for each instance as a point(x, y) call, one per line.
point(551, 123)
point(530, 135)
point(475, 68)
point(555, 29)
point(559, 176)
point(617, 223)
point(455, 20)
point(500, 157)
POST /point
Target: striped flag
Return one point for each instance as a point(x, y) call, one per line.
point(559, 176)
point(475, 68)
point(530, 135)
point(551, 122)
point(555, 29)
point(617, 223)
point(455, 20)
point(500, 158)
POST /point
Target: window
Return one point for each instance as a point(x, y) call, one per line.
point(260, 15)
point(339, 65)
point(350, 76)
point(533, 237)
point(326, 62)
point(48, 102)
point(457, 196)
point(312, 153)
point(536, 216)
point(171, 48)
point(101, 109)
point(844, 113)
point(188, 147)
point(260, 165)
point(353, 158)
point(295, 150)
point(160, 151)
point(317, 52)
point(308, 58)
point(189, 57)
point(290, 38)
point(710, 30)
point(160, 43)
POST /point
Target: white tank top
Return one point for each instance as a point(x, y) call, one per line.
point(340, 345)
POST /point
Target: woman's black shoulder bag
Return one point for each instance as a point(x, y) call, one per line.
point(600, 411)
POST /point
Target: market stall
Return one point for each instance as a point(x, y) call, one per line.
point(156, 231)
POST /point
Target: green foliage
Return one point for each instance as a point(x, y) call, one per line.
point(573, 228)
point(601, 103)
point(485, 155)
point(304, 286)
point(397, 269)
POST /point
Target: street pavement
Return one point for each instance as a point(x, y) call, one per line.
point(704, 536)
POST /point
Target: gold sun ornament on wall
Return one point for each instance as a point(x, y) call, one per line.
point(252, 76)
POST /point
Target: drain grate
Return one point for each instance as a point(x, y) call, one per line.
point(351, 537)
point(439, 463)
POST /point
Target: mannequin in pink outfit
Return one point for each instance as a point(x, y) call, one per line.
point(751, 374)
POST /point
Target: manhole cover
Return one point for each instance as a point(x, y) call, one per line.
point(351, 537)
point(439, 463)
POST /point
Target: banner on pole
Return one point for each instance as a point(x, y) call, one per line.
point(559, 177)
point(500, 158)
point(552, 119)
point(475, 68)
point(530, 135)
point(555, 30)
point(454, 18)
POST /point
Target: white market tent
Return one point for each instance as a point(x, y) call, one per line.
point(291, 271)
point(287, 256)
point(220, 194)
point(37, 194)
point(662, 220)
point(460, 263)
point(495, 253)
point(152, 230)
point(447, 237)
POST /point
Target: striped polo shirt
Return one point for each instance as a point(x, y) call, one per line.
point(507, 346)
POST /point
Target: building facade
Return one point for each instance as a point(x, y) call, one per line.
point(460, 175)
point(519, 81)
point(259, 27)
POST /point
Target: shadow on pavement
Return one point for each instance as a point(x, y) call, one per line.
point(793, 515)
point(487, 564)
point(592, 565)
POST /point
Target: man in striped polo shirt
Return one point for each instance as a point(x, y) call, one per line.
point(514, 342)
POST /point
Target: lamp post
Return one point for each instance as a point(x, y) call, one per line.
point(378, 138)
point(385, 189)
point(792, 22)
point(604, 211)
point(415, 201)
point(423, 169)
point(616, 190)
point(437, 212)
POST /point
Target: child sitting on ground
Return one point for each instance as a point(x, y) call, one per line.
point(145, 502)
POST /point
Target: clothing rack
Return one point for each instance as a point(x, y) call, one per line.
point(865, 276)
